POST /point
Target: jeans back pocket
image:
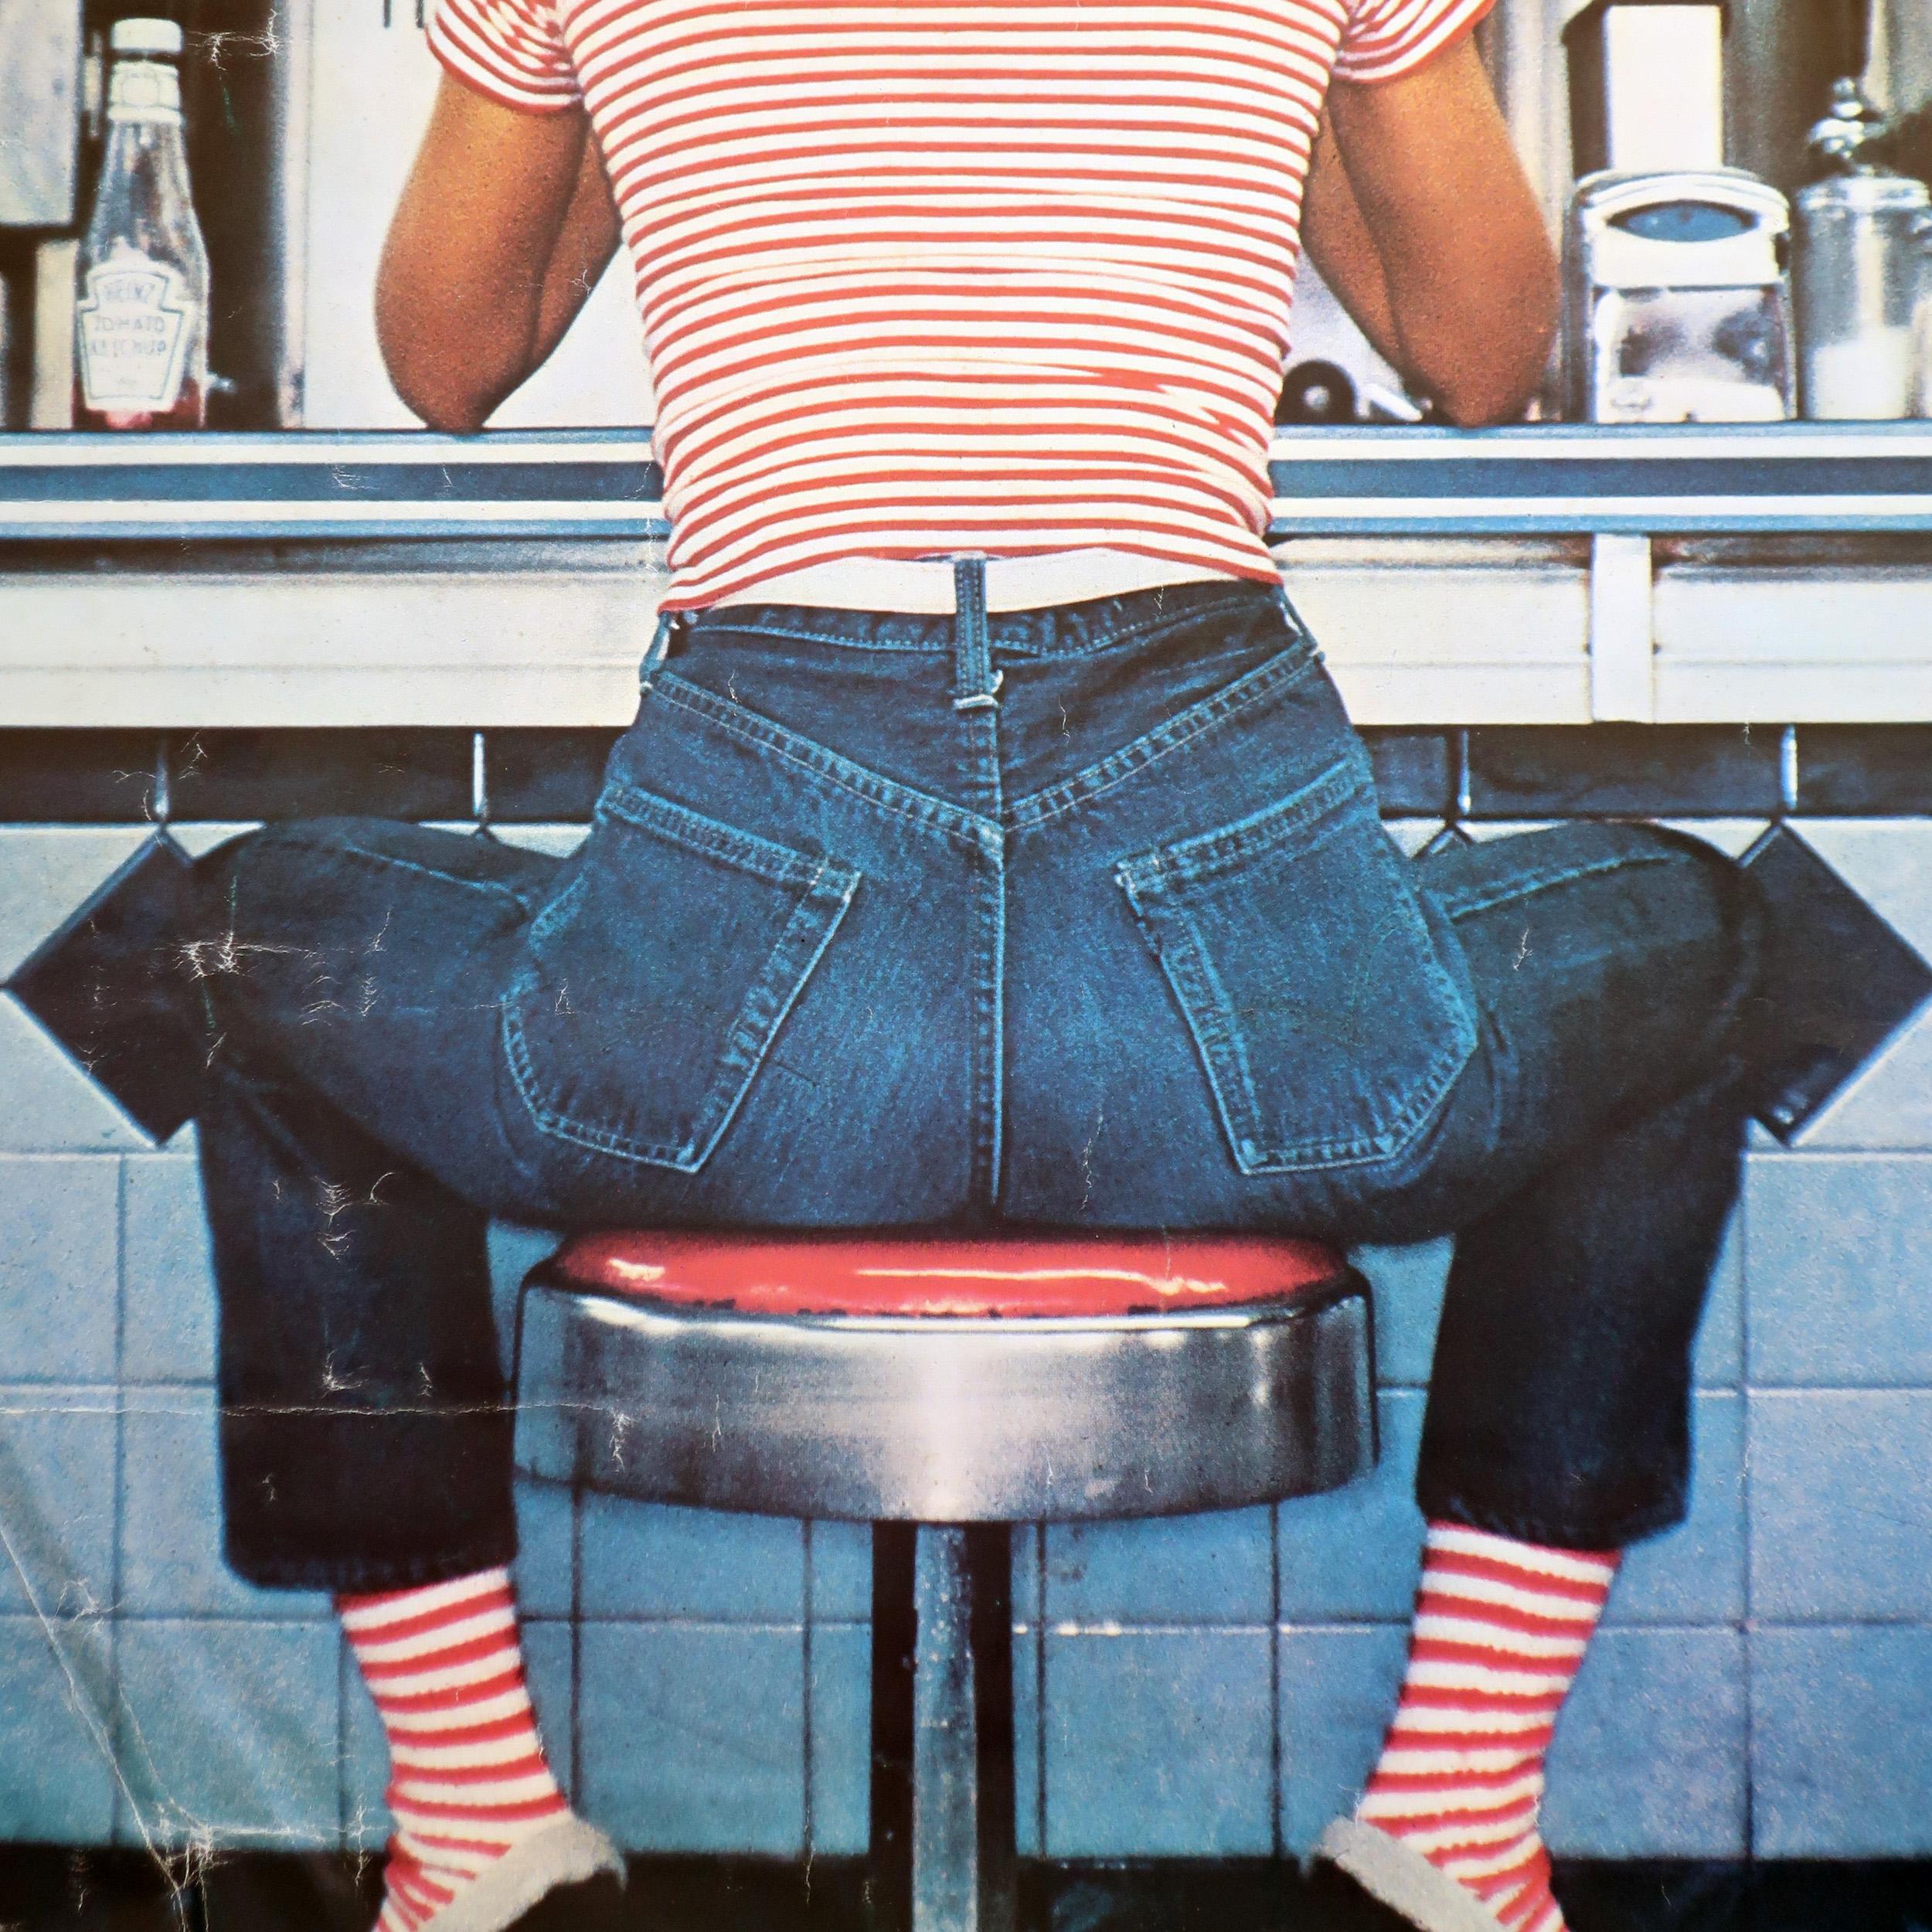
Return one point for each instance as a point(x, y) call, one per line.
point(1309, 974)
point(657, 978)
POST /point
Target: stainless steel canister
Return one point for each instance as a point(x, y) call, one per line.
point(1859, 278)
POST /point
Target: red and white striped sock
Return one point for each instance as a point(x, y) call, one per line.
point(468, 1777)
point(1500, 1632)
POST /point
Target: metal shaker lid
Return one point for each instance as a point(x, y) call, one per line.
point(1871, 194)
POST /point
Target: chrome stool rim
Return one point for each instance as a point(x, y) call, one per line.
point(946, 1419)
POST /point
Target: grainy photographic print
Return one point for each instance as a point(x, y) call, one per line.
point(965, 965)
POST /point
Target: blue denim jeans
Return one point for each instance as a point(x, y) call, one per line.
point(1074, 918)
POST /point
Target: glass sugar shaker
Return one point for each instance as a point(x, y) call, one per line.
point(1858, 272)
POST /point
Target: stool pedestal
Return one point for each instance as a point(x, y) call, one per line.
point(943, 1827)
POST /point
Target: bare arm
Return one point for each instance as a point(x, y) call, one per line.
point(1420, 218)
point(1338, 242)
point(505, 225)
point(584, 246)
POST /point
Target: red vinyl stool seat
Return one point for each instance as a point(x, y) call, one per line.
point(1009, 1277)
point(943, 1388)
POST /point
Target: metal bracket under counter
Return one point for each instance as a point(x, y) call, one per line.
point(1537, 575)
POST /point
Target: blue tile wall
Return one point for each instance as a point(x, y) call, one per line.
point(1336, 1694)
point(1842, 1507)
point(1181, 1569)
point(51, 1107)
point(59, 1263)
point(1215, 1685)
point(168, 1334)
point(841, 1571)
point(1719, 1362)
point(1355, 1553)
point(1840, 1717)
point(46, 871)
point(1650, 1757)
point(227, 1732)
point(57, 1448)
point(514, 1251)
point(1694, 1574)
point(56, 1712)
point(648, 1559)
point(545, 1569)
point(840, 1740)
point(1159, 1743)
point(692, 1735)
point(1841, 1257)
point(1408, 1284)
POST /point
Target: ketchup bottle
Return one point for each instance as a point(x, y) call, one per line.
point(141, 318)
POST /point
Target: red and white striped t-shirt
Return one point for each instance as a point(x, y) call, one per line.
point(928, 276)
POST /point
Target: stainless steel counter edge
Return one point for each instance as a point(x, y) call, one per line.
point(1538, 479)
point(1542, 575)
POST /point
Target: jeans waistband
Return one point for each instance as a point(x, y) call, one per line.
point(1063, 630)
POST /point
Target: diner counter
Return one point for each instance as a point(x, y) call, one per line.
point(1540, 575)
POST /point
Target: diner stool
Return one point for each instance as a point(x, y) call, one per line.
point(943, 1389)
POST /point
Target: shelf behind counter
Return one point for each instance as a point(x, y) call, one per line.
point(1544, 575)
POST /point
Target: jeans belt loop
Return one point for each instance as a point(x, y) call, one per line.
point(975, 682)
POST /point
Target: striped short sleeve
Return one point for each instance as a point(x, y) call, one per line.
point(1384, 38)
point(512, 50)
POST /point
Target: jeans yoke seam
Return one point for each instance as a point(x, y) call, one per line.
point(1274, 678)
point(918, 808)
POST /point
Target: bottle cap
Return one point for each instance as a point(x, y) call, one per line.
point(146, 37)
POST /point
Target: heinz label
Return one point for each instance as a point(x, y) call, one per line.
point(137, 321)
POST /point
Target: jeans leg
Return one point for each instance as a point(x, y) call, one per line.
point(350, 974)
point(365, 1440)
point(1609, 964)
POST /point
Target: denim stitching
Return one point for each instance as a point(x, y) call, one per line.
point(887, 795)
point(1303, 823)
point(1130, 632)
point(648, 812)
point(1223, 1045)
point(1138, 632)
point(1277, 677)
point(940, 648)
point(1202, 860)
point(747, 1042)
